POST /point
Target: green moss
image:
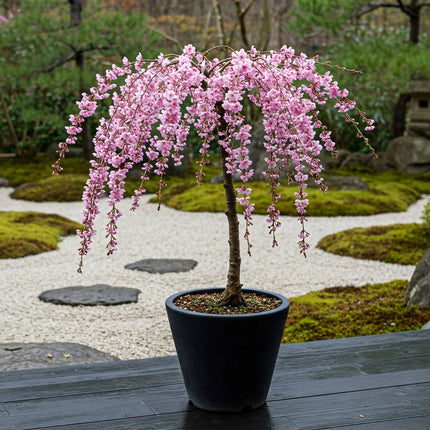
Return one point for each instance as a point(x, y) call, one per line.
point(397, 243)
point(381, 198)
point(29, 233)
point(389, 191)
point(19, 171)
point(426, 214)
point(352, 311)
point(63, 188)
point(420, 182)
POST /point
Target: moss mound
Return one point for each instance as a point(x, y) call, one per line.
point(64, 188)
point(389, 191)
point(396, 243)
point(352, 311)
point(29, 233)
point(381, 198)
point(19, 171)
point(420, 182)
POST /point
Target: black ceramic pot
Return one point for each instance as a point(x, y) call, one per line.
point(227, 361)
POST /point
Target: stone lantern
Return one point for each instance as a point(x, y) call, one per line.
point(418, 108)
point(409, 151)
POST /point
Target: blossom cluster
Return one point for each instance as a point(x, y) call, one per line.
point(151, 115)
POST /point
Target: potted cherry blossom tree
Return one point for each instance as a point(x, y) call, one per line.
point(227, 360)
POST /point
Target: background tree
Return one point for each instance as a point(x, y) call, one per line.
point(196, 21)
point(44, 46)
point(314, 18)
point(375, 43)
point(413, 10)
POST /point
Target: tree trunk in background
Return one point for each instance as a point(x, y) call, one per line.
point(411, 9)
point(11, 126)
point(75, 20)
point(414, 22)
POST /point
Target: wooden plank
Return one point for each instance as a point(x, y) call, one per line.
point(58, 411)
point(371, 357)
point(90, 383)
point(193, 419)
point(143, 377)
point(326, 359)
point(355, 342)
point(371, 350)
point(308, 379)
point(288, 389)
point(322, 369)
point(283, 386)
point(319, 412)
point(285, 351)
point(81, 370)
point(407, 423)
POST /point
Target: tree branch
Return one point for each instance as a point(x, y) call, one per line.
point(71, 57)
point(219, 22)
point(240, 14)
point(400, 5)
point(166, 36)
point(371, 7)
point(265, 28)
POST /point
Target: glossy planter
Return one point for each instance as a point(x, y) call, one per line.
point(227, 361)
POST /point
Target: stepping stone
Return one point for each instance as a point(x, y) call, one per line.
point(96, 295)
point(162, 265)
point(19, 356)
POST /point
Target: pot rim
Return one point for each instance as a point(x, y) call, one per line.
point(281, 308)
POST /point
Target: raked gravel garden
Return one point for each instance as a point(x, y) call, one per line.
point(141, 329)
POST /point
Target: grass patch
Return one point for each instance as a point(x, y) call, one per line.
point(352, 311)
point(29, 233)
point(397, 243)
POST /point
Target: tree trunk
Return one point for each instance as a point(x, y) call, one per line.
point(232, 294)
point(414, 29)
point(75, 12)
point(11, 126)
point(75, 20)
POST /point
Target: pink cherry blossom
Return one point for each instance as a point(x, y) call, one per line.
point(152, 113)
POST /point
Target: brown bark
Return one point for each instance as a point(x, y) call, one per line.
point(232, 294)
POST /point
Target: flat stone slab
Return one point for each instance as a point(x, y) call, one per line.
point(96, 295)
point(19, 356)
point(162, 265)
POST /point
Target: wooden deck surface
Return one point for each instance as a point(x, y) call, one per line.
point(362, 383)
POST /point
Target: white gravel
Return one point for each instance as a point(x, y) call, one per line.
point(141, 330)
